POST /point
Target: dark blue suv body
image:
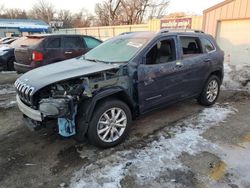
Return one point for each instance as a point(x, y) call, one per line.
point(97, 95)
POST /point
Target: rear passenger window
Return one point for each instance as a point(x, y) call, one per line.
point(207, 45)
point(191, 45)
point(72, 42)
point(54, 43)
point(91, 42)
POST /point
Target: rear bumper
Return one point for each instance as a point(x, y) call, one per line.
point(31, 113)
point(22, 68)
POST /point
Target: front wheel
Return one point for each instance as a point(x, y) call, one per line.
point(210, 92)
point(110, 123)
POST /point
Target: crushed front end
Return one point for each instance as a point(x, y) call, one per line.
point(59, 101)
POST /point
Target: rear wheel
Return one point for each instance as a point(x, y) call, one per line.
point(210, 92)
point(110, 123)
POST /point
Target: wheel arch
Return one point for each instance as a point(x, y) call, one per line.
point(218, 73)
point(86, 107)
point(111, 93)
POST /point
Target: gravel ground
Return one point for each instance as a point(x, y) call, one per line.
point(184, 145)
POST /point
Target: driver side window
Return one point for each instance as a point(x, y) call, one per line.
point(162, 52)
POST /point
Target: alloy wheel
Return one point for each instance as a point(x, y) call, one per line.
point(112, 124)
point(212, 90)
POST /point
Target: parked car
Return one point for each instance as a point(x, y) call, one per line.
point(7, 56)
point(4, 39)
point(97, 95)
point(44, 49)
point(9, 41)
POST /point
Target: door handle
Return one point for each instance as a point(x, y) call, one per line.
point(207, 60)
point(68, 52)
point(179, 64)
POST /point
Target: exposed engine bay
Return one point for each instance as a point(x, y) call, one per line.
point(60, 100)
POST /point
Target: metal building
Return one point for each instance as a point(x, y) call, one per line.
point(21, 27)
point(229, 23)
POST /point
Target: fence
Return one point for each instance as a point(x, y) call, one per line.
point(106, 32)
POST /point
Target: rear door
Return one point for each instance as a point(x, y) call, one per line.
point(196, 64)
point(53, 50)
point(73, 46)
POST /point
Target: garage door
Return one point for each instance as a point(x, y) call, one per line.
point(234, 38)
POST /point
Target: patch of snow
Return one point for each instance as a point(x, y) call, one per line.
point(8, 72)
point(237, 160)
point(62, 185)
point(30, 164)
point(7, 104)
point(158, 157)
point(109, 176)
point(236, 77)
point(7, 89)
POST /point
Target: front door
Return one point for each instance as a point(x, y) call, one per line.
point(160, 76)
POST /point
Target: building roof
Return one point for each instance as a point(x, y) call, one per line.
point(25, 25)
point(218, 5)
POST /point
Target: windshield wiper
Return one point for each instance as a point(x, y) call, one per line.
point(96, 60)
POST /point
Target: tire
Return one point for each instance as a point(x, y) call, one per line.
point(107, 130)
point(210, 92)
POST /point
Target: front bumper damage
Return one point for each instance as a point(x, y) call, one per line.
point(62, 109)
point(29, 112)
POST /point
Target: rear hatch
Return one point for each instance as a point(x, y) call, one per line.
point(24, 48)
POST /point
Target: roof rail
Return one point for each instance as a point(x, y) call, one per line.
point(180, 30)
point(129, 32)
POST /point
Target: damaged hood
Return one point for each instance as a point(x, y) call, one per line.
point(46, 75)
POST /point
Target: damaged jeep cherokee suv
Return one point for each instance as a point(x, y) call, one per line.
point(96, 96)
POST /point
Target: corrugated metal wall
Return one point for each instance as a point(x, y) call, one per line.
point(197, 22)
point(227, 10)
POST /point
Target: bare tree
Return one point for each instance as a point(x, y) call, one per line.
point(14, 13)
point(82, 19)
point(157, 8)
point(113, 6)
point(2, 11)
point(107, 12)
point(102, 17)
point(116, 12)
point(42, 10)
point(66, 17)
point(133, 12)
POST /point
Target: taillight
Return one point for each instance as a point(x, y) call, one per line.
point(37, 56)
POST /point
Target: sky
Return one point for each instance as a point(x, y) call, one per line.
point(190, 6)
